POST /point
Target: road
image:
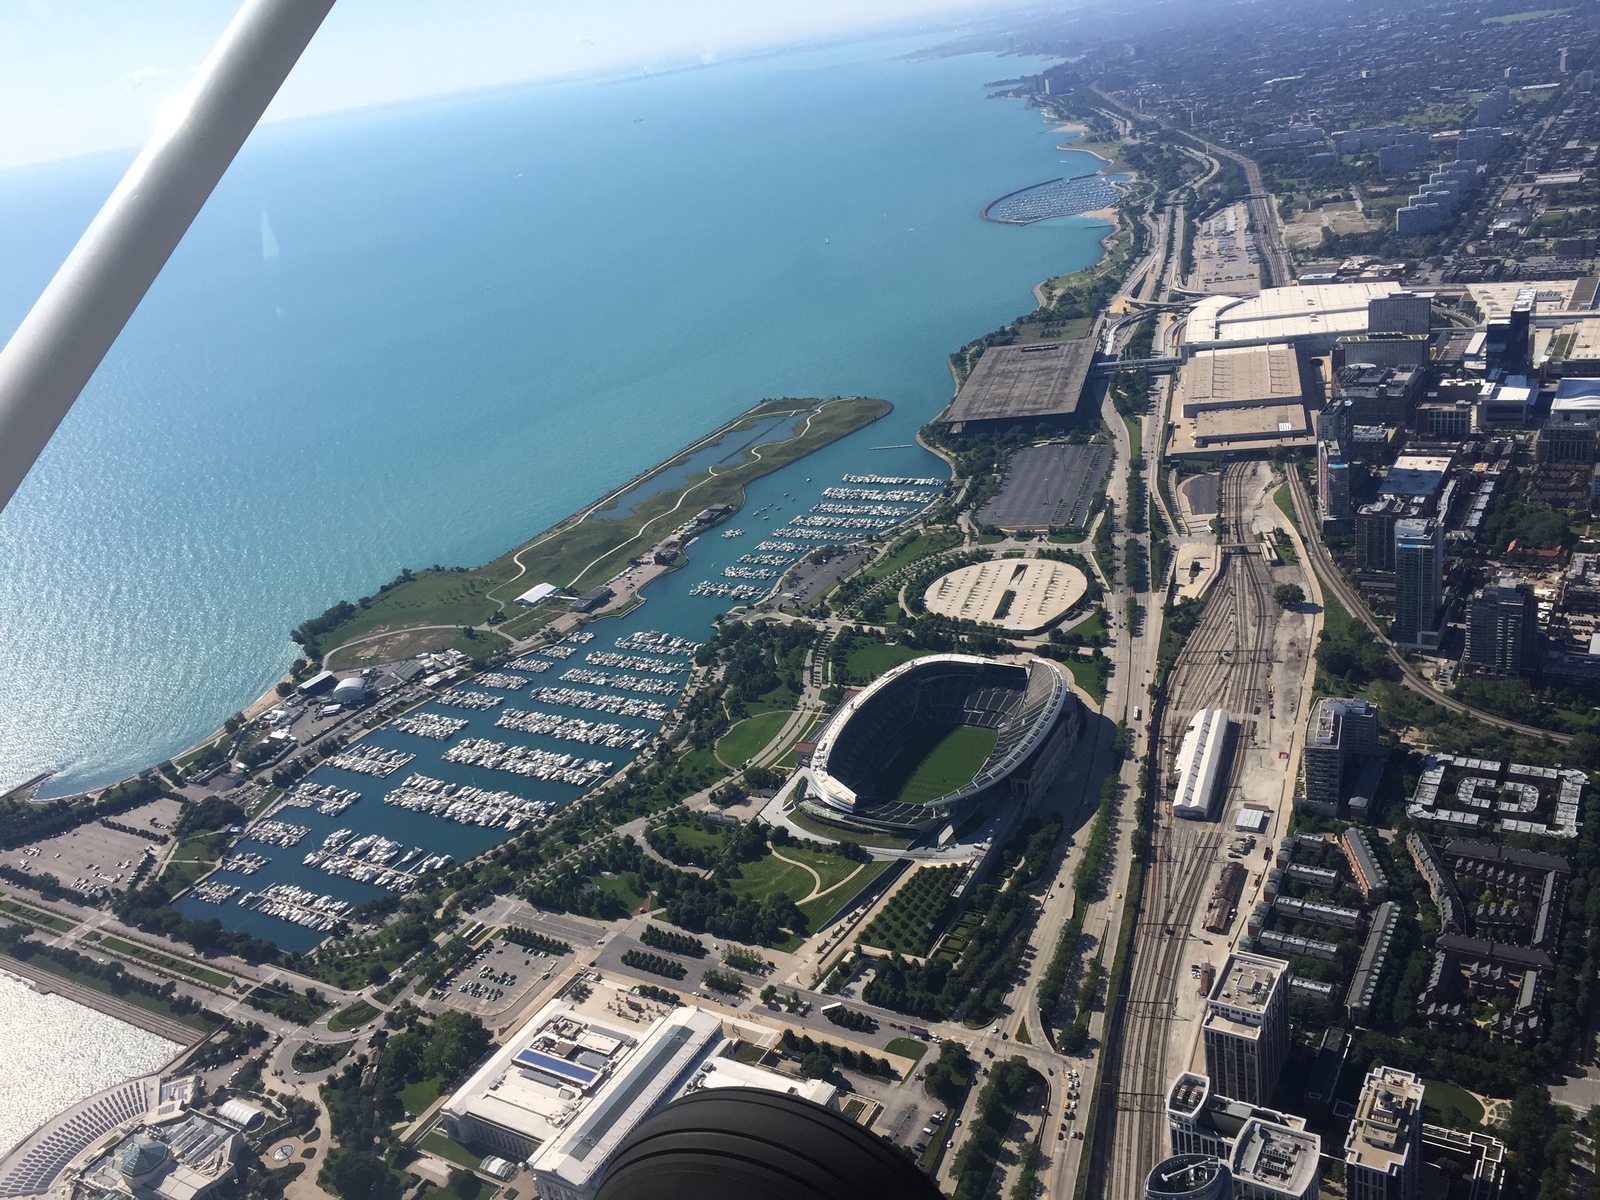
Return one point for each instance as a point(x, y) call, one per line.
point(1333, 579)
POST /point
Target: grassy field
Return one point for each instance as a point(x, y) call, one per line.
point(1087, 676)
point(936, 761)
point(450, 1151)
point(193, 859)
point(820, 909)
point(36, 916)
point(1440, 1097)
point(630, 899)
point(750, 736)
point(163, 961)
point(910, 1048)
point(356, 1014)
point(923, 543)
point(871, 659)
point(838, 833)
point(1284, 499)
point(592, 550)
point(417, 1096)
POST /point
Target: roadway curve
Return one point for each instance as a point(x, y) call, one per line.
point(1333, 579)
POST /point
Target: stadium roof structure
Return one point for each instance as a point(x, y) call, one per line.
point(1026, 382)
point(1021, 702)
point(1577, 396)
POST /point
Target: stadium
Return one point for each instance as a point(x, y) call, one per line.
point(938, 737)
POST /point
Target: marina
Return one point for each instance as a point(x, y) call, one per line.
point(273, 832)
point(626, 683)
point(653, 641)
point(327, 799)
point(364, 758)
point(502, 680)
point(474, 701)
point(467, 805)
point(244, 862)
point(617, 706)
point(215, 893)
point(1054, 198)
point(525, 760)
point(730, 534)
point(430, 725)
point(574, 729)
point(368, 859)
point(531, 663)
point(630, 662)
point(742, 592)
point(297, 905)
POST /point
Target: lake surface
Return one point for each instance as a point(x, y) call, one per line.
point(55, 1052)
point(421, 334)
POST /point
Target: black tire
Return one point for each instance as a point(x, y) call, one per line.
point(750, 1144)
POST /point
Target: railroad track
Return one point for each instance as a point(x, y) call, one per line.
point(1225, 663)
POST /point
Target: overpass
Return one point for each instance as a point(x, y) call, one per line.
point(1114, 366)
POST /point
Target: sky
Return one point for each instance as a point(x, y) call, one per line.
point(81, 76)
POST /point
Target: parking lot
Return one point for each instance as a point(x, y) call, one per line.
point(94, 857)
point(497, 977)
point(1048, 485)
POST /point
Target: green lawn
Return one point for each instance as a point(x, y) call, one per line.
point(693, 833)
point(871, 659)
point(750, 736)
point(36, 916)
point(923, 543)
point(1284, 499)
point(838, 833)
point(768, 876)
point(417, 1096)
point(167, 962)
point(821, 910)
point(936, 761)
point(1087, 675)
point(910, 1048)
point(451, 1151)
point(630, 899)
point(831, 868)
point(1439, 1097)
point(357, 1014)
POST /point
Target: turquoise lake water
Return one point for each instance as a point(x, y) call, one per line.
point(470, 317)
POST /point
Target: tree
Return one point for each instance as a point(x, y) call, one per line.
point(1289, 595)
point(816, 1065)
point(359, 1175)
point(465, 1184)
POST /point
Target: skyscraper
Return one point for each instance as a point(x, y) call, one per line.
point(1336, 731)
point(1418, 581)
point(1189, 1177)
point(1503, 628)
point(1383, 1149)
point(1246, 1029)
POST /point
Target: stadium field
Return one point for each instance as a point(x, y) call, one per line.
point(936, 761)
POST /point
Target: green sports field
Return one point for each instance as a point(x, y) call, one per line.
point(937, 760)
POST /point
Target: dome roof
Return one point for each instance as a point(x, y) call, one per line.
point(143, 1157)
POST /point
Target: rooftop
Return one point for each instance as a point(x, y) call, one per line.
point(1283, 314)
point(1272, 1156)
point(1037, 379)
point(1239, 374)
point(1242, 992)
point(1031, 592)
point(1387, 1112)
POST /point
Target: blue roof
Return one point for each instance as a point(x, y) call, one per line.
point(1572, 389)
point(1407, 481)
point(538, 1060)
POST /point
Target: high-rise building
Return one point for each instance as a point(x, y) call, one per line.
point(1418, 581)
point(1333, 483)
point(1398, 312)
point(1375, 524)
point(1506, 345)
point(1503, 628)
point(1337, 731)
point(1493, 107)
point(1383, 1149)
point(1246, 1028)
point(1189, 1177)
point(1479, 144)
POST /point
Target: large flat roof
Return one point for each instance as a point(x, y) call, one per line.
point(1037, 379)
point(1276, 1157)
point(1388, 1114)
point(1243, 991)
point(1239, 374)
point(1283, 314)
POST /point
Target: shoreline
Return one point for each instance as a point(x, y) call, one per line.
point(747, 419)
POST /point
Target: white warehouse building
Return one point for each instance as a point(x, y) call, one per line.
point(1199, 764)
